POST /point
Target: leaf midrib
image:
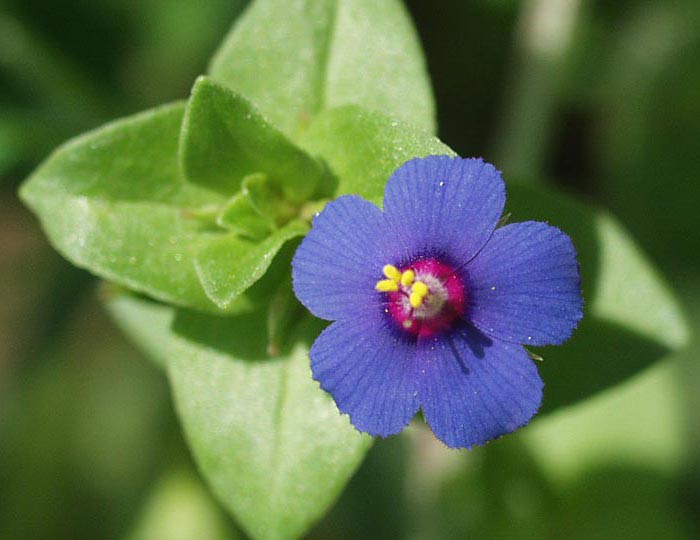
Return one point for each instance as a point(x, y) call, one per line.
point(325, 56)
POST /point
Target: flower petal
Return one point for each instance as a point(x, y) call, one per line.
point(370, 372)
point(444, 204)
point(525, 285)
point(339, 262)
point(475, 389)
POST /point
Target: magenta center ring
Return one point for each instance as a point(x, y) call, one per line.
point(444, 302)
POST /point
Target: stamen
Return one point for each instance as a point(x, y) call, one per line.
point(420, 288)
point(407, 278)
point(387, 285)
point(416, 300)
point(424, 298)
point(392, 272)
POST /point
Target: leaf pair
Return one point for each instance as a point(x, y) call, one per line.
point(116, 202)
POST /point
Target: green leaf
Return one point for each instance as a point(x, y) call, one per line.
point(269, 441)
point(240, 216)
point(282, 312)
point(228, 264)
point(644, 417)
point(145, 322)
point(225, 139)
point(112, 201)
point(296, 59)
point(179, 507)
point(364, 148)
point(267, 200)
point(631, 318)
point(272, 444)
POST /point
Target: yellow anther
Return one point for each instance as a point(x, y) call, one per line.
point(416, 300)
point(387, 285)
point(392, 272)
point(420, 288)
point(407, 278)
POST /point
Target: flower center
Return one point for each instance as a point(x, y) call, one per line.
point(424, 297)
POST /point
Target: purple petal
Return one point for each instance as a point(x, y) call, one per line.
point(525, 285)
point(475, 389)
point(339, 262)
point(444, 204)
point(370, 372)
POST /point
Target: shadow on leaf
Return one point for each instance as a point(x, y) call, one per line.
point(600, 355)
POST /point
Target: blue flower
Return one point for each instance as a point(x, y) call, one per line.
point(433, 304)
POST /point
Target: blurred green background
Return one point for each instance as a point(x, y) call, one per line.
point(599, 98)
